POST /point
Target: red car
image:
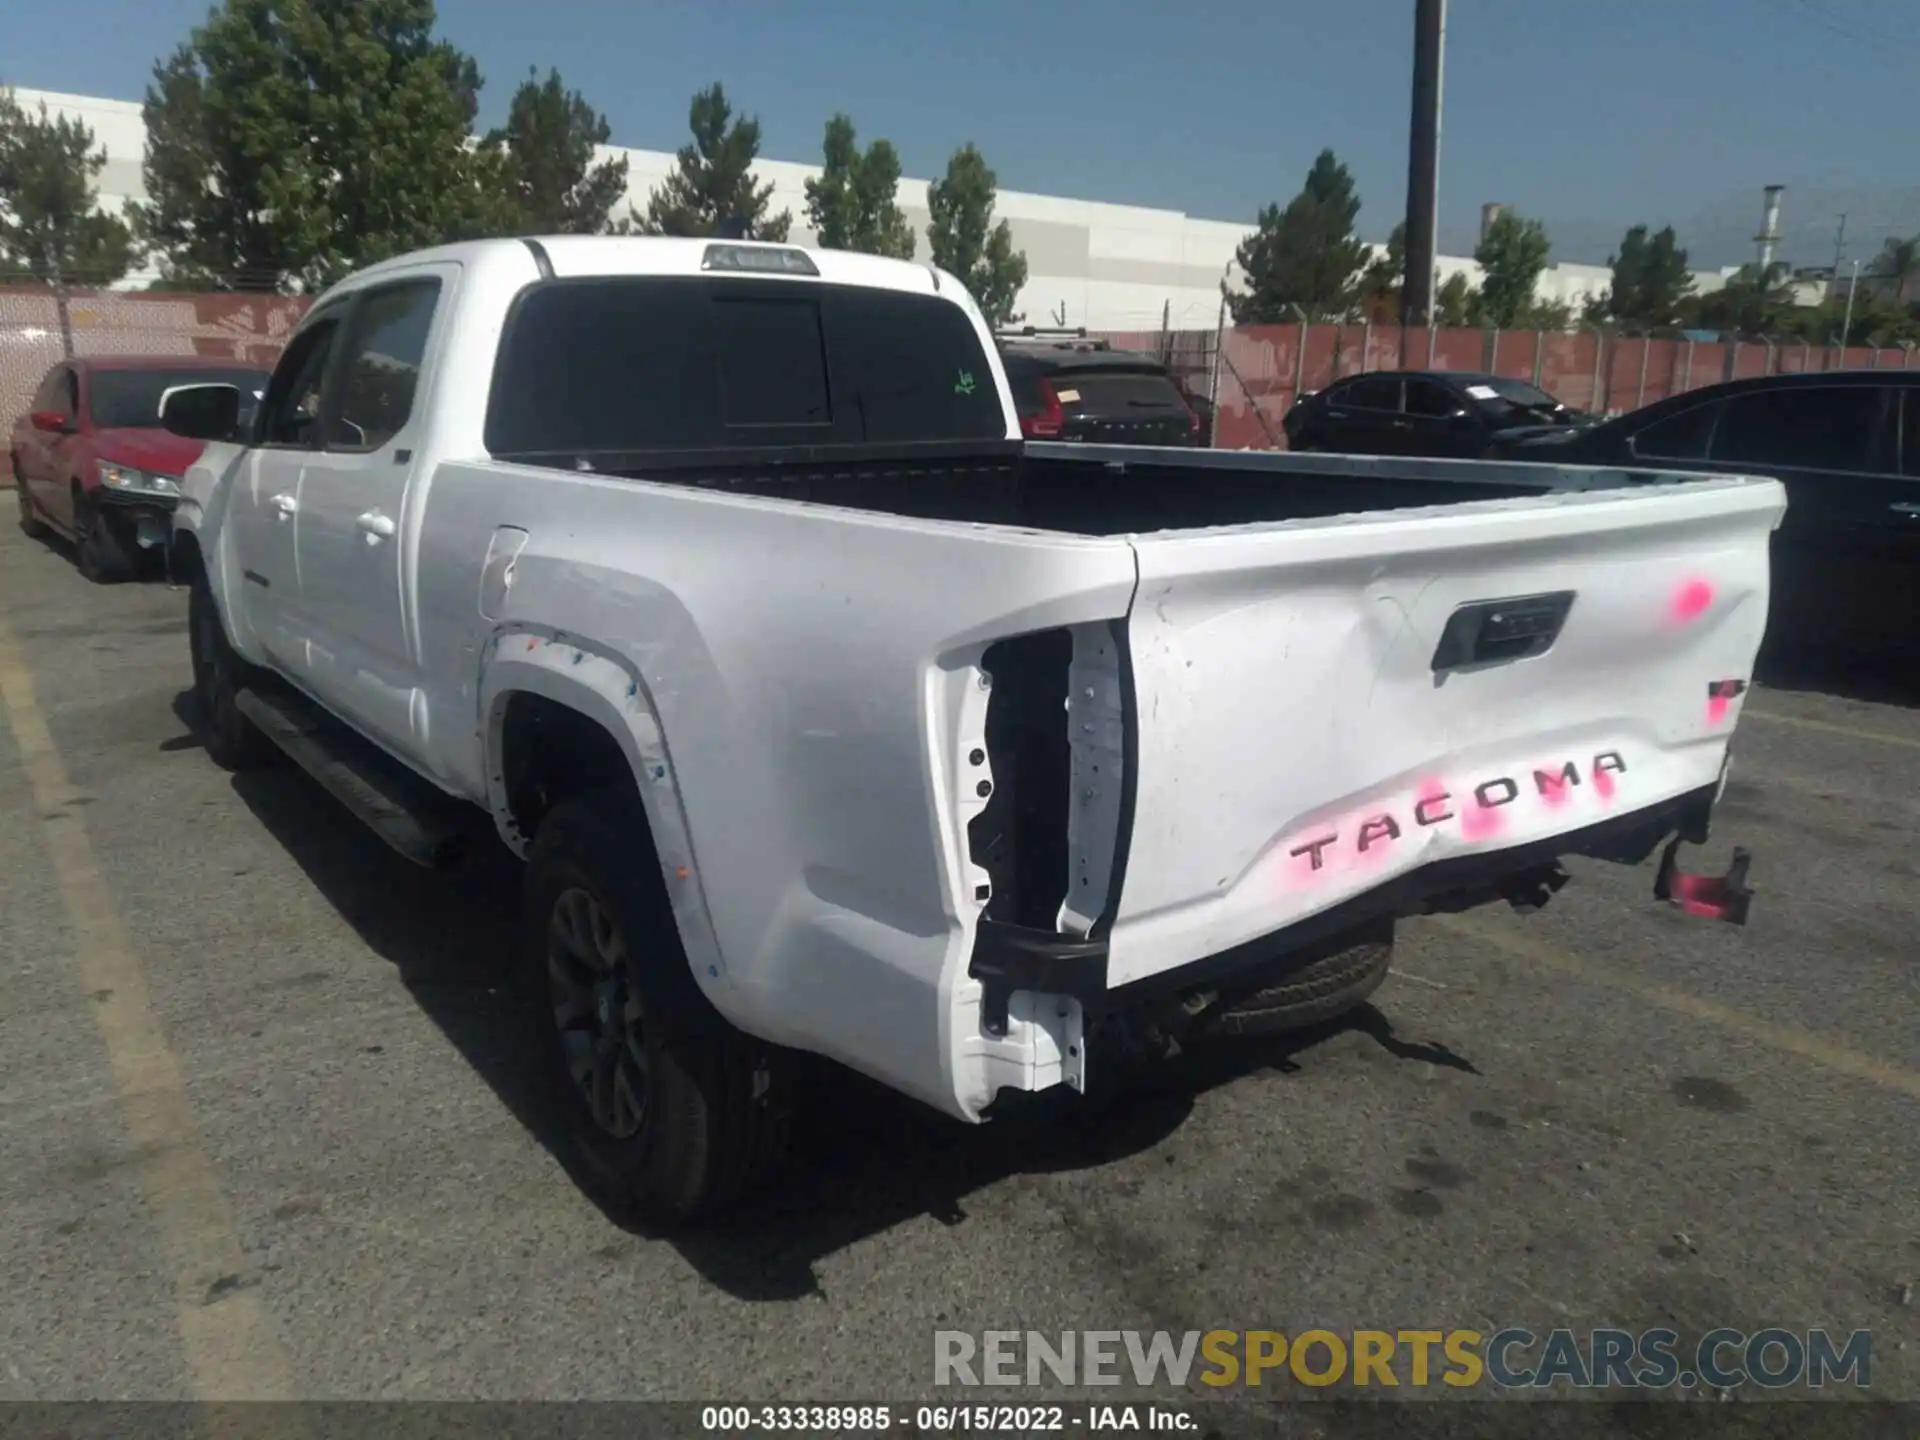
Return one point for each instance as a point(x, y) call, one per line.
point(92, 461)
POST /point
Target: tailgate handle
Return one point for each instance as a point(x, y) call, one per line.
point(1486, 632)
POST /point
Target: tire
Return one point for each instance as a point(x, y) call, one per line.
point(705, 1112)
point(98, 551)
point(219, 675)
point(30, 522)
point(1332, 980)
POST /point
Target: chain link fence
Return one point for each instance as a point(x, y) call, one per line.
point(35, 334)
point(1244, 379)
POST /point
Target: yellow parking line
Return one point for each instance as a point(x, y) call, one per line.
point(1808, 1046)
point(232, 1351)
point(1828, 727)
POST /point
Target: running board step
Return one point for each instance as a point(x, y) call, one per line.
point(417, 820)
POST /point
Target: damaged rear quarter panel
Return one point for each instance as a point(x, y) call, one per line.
point(808, 669)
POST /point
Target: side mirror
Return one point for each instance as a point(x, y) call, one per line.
point(201, 412)
point(54, 422)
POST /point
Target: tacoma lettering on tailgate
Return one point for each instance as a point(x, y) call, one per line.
point(1477, 810)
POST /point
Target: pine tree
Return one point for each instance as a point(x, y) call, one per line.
point(290, 143)
point(51, 224)
point(1303, 260)
point(1513, 254)
point(550, 182)
point(713, 185)
point(968, 244)
point(851, 205)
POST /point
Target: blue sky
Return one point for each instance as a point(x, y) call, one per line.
point(1591, 115)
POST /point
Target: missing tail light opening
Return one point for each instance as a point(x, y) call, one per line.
point(1048, 836)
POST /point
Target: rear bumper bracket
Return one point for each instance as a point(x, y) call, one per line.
point(1718, 897)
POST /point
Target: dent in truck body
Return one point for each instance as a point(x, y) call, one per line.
point(815, 714)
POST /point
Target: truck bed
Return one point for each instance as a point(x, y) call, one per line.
point(1103, 490)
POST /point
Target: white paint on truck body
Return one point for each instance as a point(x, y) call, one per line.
point(798, 686)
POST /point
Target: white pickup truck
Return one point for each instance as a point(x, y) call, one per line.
point(828, 716)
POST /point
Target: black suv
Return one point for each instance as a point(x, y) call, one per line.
point(1845, 443)
point(1076, 389)
point(1448, 413)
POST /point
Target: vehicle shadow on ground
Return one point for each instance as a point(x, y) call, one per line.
point(864, 1158)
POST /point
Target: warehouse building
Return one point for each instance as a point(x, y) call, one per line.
point(1107, 267)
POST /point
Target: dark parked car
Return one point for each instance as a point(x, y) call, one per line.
point(1082, 390)
point(1846, 444)
point(1445, 413)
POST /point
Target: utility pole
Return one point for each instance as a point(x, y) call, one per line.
point(1423, 164)
point(1839, 244)
point(1846, 326)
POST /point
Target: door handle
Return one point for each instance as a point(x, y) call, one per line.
point(377, 526)
point(285, 503)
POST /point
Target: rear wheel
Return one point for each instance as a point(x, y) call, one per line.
point(219, 675)
point(1304, 991)
point(30, 521)
point(673, 1112)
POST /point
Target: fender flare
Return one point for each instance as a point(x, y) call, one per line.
point(605, 687)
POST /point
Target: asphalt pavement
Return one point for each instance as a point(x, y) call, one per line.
point(266, 1128)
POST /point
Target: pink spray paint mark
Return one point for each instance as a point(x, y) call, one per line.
point(1481, 822)
point(1553, 788)
point(1690, 601)
point(1374, 836)
point(1603, 783)
point(1717, 707)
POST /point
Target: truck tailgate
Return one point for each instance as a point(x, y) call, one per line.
point(1322, 706)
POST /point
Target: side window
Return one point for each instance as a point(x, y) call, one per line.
point(1426, 398)
point(1368, 393)
point(289, 413)
point(52, 394)
point(1826, 428)
point(1678, 437)
point(381, 367)
point(59, 392)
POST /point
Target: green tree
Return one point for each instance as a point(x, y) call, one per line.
point(851, 205)
point(713, 185)
point(1381, 282)
point(966, 242)
point(1750, 303)
point(549, 181)
point(1456, 304)
point(1650, 282)
point(1303, 259)
point(1896, 267)
point(290, 141)
point(51, 224)
point(1513, 254)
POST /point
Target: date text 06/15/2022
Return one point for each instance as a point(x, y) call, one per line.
point(944, 1419)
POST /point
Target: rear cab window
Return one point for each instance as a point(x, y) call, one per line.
point(626, 364)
